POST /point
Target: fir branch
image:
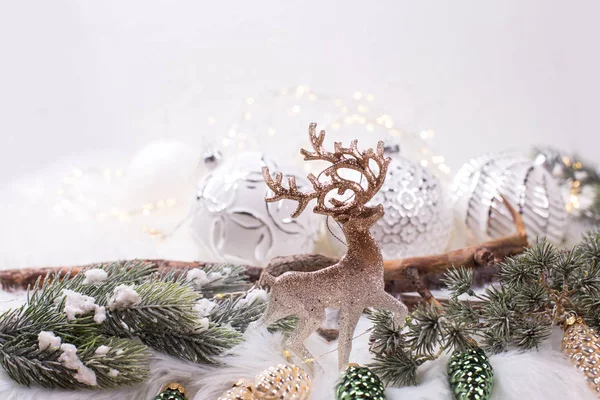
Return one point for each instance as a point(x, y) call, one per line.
point(514, 272)
point(27, 365)
point(198, 347)
point(162, 305)
point(459, 281)
point(462, 312)
point(493, 343)
point(497, 312)
point(529, 333)
point(589, 248)
point(532, 297)
point(395, 369)
point(118, 273)
point(542, 256)
point(425, 329)
point(236, 313)
point(568, 262)
point(386, 337)
point(125, 363)
point(457, 335)
point(233, 280)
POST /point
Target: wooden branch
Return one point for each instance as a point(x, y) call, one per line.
point(485, 254)
point(20, 279)
point(418, 274)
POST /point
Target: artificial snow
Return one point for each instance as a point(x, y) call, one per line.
point(100, 314)
point(113, 372)
point(203, 325)
point(78, 304)
point(204, 306)
point(198, 278)
point(123, 297)
point(253, 296)
point(95, 276)
point(119, 352)
point(69, 359)
point(48, 340)
point(102, 350)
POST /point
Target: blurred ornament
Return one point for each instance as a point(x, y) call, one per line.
point(579, 182)
point(480, 184)
point(418, 216)
point(162, 167)
point(359, 383)
point(470, 375)
point(232, 220)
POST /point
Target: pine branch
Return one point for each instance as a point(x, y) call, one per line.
point(386, 337)
point(197, 347)
point(459, 281)
point(457, 335)
point(425, 329)
point(125, 363)
point(529, 333)
point(162, 305)
point(395, 369)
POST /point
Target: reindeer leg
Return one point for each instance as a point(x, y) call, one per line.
point(271, 314)
point(348, 320)
point(387, 302)
point(306, 325)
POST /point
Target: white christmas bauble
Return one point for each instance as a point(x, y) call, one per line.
point(418, 216)
point(162, 169)
point(234, 223)
point(530, 189)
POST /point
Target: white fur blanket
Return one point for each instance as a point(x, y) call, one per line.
point(32, 235)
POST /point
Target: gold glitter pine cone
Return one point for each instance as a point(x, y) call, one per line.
point(284, 381)
point(582, 345)
point(238, 393)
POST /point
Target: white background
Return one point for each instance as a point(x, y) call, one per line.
point(81, 76)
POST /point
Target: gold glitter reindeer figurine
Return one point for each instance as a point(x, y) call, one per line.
point(356, 281)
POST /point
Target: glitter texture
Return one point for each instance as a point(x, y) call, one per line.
point(356, 281)
point(359, 383)
point(470, 375)
point(283, 381)
point(582, 345)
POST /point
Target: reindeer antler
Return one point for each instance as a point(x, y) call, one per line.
point(341, 158)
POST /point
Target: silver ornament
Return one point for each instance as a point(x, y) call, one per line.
point(233, 223)
point(480, 184)
point(418, 216)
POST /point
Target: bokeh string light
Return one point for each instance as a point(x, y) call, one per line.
point(278, 118)
point(273, 122)
point(78, 197)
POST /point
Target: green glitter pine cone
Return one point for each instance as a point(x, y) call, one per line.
point(470, 375)
point(359, 383)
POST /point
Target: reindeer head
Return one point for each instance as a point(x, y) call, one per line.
point(352, 209)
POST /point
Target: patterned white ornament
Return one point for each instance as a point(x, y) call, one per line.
point(480, 183)
point(418, 216)
point(233, 222)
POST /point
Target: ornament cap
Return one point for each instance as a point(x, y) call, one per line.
point(174, 386)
